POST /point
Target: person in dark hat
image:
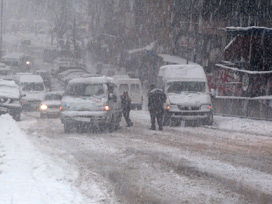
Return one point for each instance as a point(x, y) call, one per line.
point(156, 99)
point(126, 104)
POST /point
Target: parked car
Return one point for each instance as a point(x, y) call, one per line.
point(33, 89)
point(51, 104)
point(92, 103)
point(188, 95)
point(10, 99)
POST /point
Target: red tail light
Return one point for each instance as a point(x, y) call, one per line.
point(60, 107)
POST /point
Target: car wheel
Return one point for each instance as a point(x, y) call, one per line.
point(109, 127)
point(93, 129)
point(209, 120)
point(67, 128)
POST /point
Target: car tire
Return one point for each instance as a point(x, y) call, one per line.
point(67, 128)
point(209, 120)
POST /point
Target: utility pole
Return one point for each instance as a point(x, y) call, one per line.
point(1, 30)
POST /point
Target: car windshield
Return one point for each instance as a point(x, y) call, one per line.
point(33, 87)
point(185, 86)
point(86, 90)
point(53, 97)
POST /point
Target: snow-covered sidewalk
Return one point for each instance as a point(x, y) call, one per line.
point(28, 176)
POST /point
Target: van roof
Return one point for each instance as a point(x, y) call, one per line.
point(128, 79)
point(91, 80)
point(29, 78)
point(181, 71)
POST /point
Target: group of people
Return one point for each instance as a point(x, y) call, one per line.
point(156, 100)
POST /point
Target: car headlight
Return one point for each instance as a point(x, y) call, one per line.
point(43, 107)
point(206, 107)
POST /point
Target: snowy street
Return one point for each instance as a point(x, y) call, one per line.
point(135, 102)
point(223, 164)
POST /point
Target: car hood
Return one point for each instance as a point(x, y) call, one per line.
point(33, 95)
point(9, 93)
point(189, 99)
point(83, 103)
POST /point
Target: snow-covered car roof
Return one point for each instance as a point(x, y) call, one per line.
point(183, 71)
point(29, 78)
point(91, 80)
point(9, 89)
point(9, 83)
point(67, 72)
point(174, 59)
point(125, 79)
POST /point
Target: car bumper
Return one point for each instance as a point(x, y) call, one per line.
point(190, 115)
point(50, 112)
point(85, 117)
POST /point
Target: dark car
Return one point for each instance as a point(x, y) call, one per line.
point(10, 99)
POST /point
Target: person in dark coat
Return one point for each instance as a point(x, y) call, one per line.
point(156, 99)
point(126, 103)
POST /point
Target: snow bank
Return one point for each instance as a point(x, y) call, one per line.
point(27, 176)
point(258, 127)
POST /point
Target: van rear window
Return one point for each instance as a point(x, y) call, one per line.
point(123, 88)
point(134, 88)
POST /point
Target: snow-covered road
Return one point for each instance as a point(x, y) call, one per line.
point(229, 163)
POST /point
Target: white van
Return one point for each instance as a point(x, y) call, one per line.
point(33, 90)
point(92, 104)
point(188, 95)
point(133, 87)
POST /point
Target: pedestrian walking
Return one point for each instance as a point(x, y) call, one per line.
point(156, 100)
point(126, 104)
